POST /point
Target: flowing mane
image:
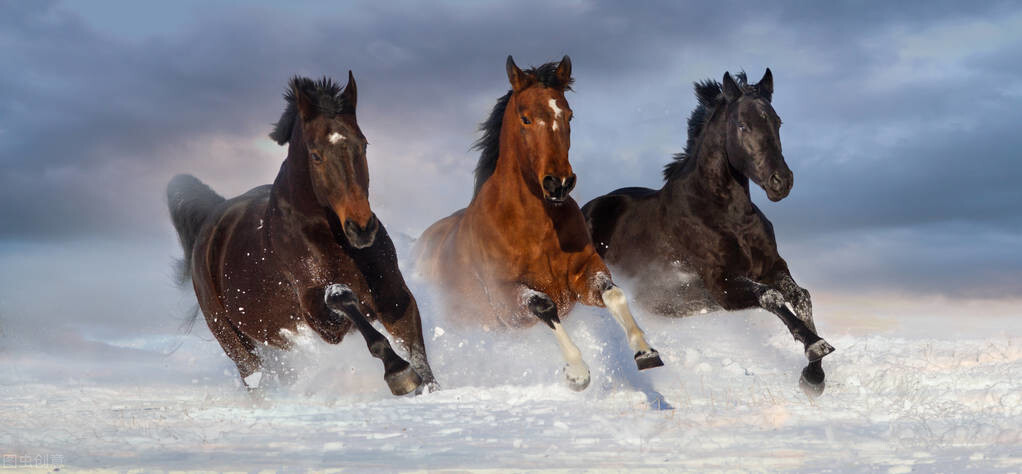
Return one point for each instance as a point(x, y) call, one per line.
point(709, 92)
point(325, 92)
point(489, 143)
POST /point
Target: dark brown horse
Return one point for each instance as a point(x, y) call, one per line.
point(519, 253)
point(704, 244)
point(307, 249)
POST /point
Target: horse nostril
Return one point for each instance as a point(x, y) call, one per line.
point(550, 184)
point(569, 183)
point(776, 181)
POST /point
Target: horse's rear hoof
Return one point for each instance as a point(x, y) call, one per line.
point(578, 377)
point(813, 380)
point(403, 381)
point(648, 360)
point(818, 350)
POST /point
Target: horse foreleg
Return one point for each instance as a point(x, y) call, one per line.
point(780, 278)
point(405, 325)
point(617, 303)
point(741, 292)
point(576, 370)
point(394, 303)
point(813, 375)
point(400, 377)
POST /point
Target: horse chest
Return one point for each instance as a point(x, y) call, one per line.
point(744, 248)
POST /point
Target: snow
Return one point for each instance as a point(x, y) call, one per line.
point(916, 392)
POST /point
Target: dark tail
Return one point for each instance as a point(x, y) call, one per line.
point(190, 203)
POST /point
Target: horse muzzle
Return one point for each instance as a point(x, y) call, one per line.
point(556, 190)
point(361, 237)
point(778, 186)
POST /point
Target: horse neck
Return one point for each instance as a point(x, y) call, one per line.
point(709, 172)
point(293, 188)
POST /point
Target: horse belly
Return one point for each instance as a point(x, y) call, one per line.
point(668, 289)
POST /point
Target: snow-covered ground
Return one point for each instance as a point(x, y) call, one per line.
point(906, 392)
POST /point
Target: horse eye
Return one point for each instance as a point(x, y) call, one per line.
point(316, 157)
point(525, 120)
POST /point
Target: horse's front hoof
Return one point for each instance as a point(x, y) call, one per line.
point(813, 380)
point(403, 382)
point(427, 387)
point(818, 350)
point(648, 359)
point(578, 377)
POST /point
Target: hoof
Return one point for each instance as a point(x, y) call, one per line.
point(578, 377)
point(427, 387)
point(403, 382)
point(812, 382)
point(648, 360)
point(818, 350)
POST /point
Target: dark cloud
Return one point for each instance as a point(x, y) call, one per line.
point(899, 117)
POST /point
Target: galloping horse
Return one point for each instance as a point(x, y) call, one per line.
point(519, 253)
point(706, 246)
point(307, 249)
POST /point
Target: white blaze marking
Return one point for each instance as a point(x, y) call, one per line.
point(336, 137)
point(557, 112)
point(555, 108)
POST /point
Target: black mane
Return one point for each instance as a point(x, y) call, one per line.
point(489, 143)
point(710, 95)
point(325, 93)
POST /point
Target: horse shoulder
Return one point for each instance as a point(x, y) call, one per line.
point(429, 249)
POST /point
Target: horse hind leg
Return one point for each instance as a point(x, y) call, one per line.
point(239, 348)
point(576, 370)
point(399, 375)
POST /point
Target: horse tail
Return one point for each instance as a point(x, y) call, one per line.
point(190, 202)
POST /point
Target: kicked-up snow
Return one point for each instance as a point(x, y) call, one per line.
point(911, 394)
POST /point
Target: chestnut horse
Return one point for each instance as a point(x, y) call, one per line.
point(707, 245)
point(307, 249)
point(519, 253)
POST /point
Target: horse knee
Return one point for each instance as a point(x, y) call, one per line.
point(771, 299)
point(338, 295)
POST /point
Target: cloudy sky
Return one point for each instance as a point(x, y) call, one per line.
point(902, 125)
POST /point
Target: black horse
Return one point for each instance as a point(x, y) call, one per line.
point(706, 246)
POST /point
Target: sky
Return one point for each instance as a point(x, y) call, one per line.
point(901, 124)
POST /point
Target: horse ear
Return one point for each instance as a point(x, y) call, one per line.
point(306, 108)
point(765, 86)
point(350, 94)
point(563, 71)
point(730, 89)
point(518, 79)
